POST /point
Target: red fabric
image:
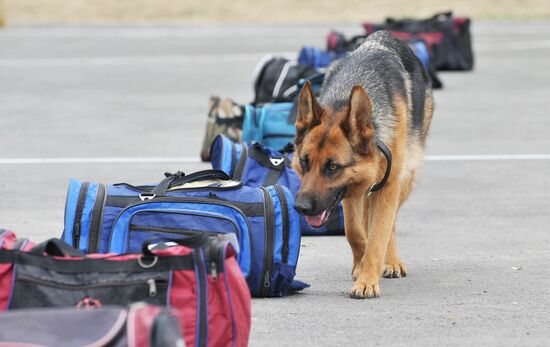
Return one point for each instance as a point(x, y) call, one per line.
point(369, 27)
point(6, 278)
point(6, 271)
point(7, 240)
point(332, 40)
point(224, 309)
point(431, 38)
point(220, 326)
point(240, 300)
point(183, 297)
point(459, 23)
point(140, 321)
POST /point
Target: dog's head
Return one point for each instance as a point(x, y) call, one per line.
point(334, 152)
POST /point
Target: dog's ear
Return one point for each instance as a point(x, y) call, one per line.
point(309, 112)
point(357, 123)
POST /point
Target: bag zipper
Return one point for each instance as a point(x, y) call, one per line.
point(97, 219)
point(151, 283)
point(265, 282)
point(186, 199)
point(179, 231)
point(148, 189)
point(286, 224)
point(187, 213)
point(78, 214)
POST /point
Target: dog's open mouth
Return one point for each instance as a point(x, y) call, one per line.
point(319, 220)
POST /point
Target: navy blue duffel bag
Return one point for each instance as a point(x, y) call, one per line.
point(260, 166)
point(119, 218)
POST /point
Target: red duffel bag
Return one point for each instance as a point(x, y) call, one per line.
point(198, 276)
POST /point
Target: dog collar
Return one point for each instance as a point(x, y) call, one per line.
point(377, 186)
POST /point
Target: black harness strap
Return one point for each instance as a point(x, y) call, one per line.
point(377, 186)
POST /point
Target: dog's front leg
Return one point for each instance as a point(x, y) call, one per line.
point(355, 222)
point(382, 212)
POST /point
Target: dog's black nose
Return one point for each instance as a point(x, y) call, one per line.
point(303, 206)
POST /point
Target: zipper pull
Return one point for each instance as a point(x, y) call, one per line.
point(267, 280)
point(152, 287)
point(214, 271)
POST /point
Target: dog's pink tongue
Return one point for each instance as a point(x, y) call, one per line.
point(316, 221)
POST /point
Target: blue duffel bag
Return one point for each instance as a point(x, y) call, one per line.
point(318, 58)
point(271, 124)
point(119, 218)
point(259, 166)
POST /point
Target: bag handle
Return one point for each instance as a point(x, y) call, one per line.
point(180, 178)
point(193, 241)
point(257, 152)
point(55, 247)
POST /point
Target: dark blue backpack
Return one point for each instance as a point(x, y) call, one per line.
point(258, 166)
point(318, 58)
point(119, 218)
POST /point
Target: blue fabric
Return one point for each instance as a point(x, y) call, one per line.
point(109, 215)
point(213, 212)
point(70, 209)
point(255, 174)
point(269, 124)
point(120, 235)
point(278, 237)
point(87, 216)
point(318, 58)
point(222, 148)
point(420, 49)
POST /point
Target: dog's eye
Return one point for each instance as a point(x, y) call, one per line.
point(333, 167)
point(304, 163)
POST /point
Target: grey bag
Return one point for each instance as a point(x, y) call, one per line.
point(138, 325)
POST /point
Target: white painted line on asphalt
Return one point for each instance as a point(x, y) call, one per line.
point(513, 46)
point(168, 59)
point(215, 58)
point(469, 157)
point(123, 160)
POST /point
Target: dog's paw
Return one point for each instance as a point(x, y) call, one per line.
point(366, 287)
point(395, 270)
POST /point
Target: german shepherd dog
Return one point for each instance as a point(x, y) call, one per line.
point(373, 115)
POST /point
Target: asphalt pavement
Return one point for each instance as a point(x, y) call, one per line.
point(86, 101)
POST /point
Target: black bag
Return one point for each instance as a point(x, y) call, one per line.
point(276, 79)
point(137, 325)
point(448, 37)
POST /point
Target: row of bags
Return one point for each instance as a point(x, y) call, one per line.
point(441, 42)
point(201, 244)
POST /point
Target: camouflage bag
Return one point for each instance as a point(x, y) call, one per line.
point(224, 117)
